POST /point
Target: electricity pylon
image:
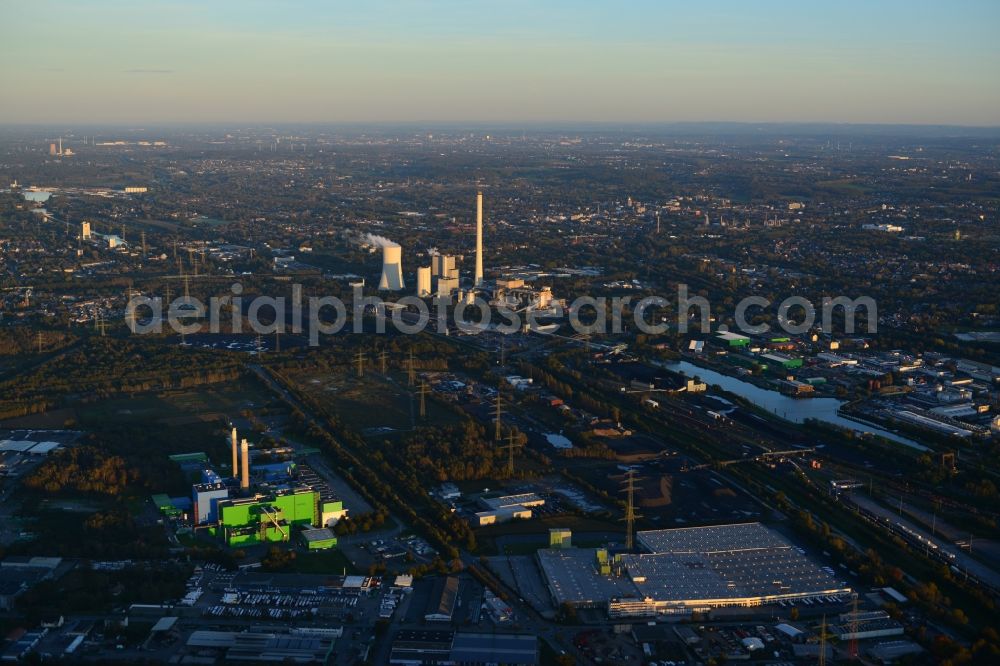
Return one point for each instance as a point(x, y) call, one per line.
point(822, 642)
point(359, 358)
point(510, 446)
point(630, 514)
point(423, 400)
point(498, 410)
point(411, 373)
point(852, 647)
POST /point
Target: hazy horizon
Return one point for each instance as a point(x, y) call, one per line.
point(447, 62)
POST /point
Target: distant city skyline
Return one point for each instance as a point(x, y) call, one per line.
point(437, 61)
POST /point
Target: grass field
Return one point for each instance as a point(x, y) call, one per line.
point(178, 408)
point(51, 420)
point(374, 402)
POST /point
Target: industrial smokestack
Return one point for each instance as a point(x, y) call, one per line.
point(245, 476)
point(479, 240)
point(392, 263)
point(236, 459)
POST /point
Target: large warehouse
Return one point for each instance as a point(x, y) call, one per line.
point(687, 569)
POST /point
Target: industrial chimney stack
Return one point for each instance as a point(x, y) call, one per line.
point(245, 476)
point(236, 454)
point(478, 282)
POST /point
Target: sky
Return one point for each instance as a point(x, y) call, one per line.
point(509, 61)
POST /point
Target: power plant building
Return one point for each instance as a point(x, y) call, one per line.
point(424, 281)
point(447, 286)
point(443, 265)
point(205, 497)
point(283, 506)
point(318, 539)
point(249, 521)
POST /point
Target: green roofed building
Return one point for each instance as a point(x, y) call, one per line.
point(319, 539)
point(165, 505)
point(786, 362)
point(249, 521)
point(728, 339)
point(183, 458)
point(331, 511)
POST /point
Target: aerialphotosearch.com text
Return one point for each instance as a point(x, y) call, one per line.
point(316, 316)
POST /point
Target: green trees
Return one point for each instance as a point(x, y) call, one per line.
point(83, 469)
point(278, 559)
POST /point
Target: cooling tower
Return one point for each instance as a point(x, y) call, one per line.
point(479, 240)
point(245, 476)
point(424, 281)
point(236, 456)
point(392, 263)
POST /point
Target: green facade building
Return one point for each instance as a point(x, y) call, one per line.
point(319, 539)
point(249, 521)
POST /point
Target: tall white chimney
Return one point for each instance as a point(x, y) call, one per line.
point(479, 240)
point(245, 476)
point(236, 454)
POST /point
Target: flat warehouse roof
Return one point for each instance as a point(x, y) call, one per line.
point(506, 501)
point(572, 576)
point(19, 445)
point(318, 534)
point(712, 538)
point(495, 648)
point(737, 575)
point(745, 563)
